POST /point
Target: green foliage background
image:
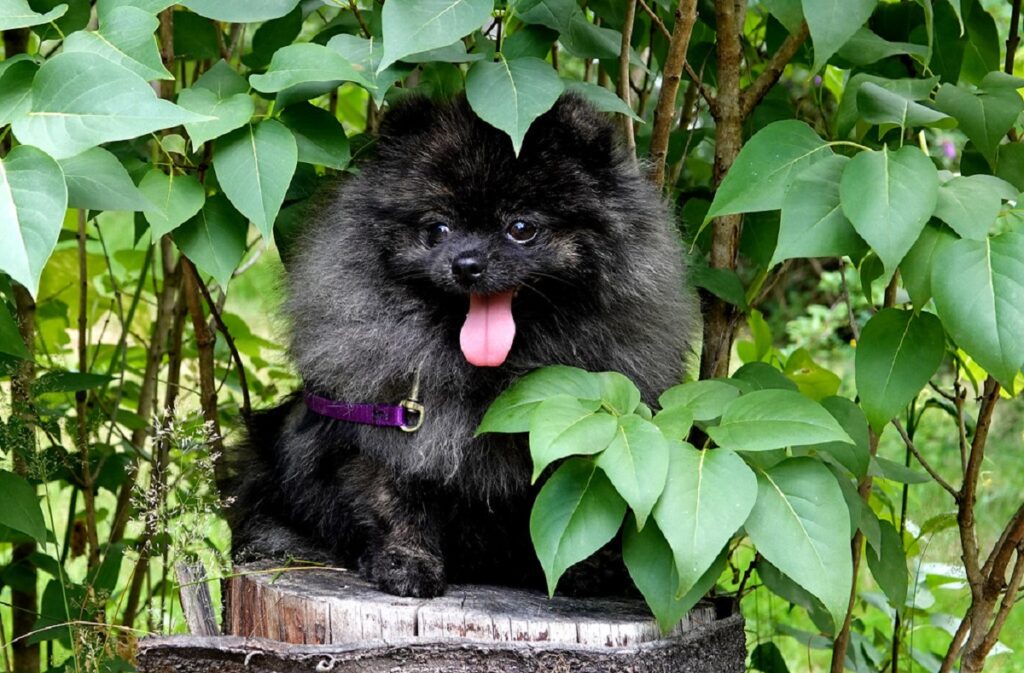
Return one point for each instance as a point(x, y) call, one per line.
point(865, 248)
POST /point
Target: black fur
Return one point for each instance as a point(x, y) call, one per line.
point(370, 302)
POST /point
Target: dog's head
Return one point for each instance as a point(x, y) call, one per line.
point(459, 216)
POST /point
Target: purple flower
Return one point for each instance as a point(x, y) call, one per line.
point(817, 80)
point(949, 149)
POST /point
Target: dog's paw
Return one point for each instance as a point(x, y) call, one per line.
point(405, 571)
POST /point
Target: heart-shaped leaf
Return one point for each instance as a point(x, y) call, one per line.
point(18, 14)
point(801, 524)
point(903, 188)
point(33, 198)
point(765, 168)
point(706, 399)
point(576, 513)
point(412, 26)
point(707, 497)
point(832, 23)
point(254, 166)
point(985, 116)
point(98, 181)
point(774, 419)
point(563, 426)
point(125, 37)
point(513, 410)
point(897, 354)
point(813, 224)
point(241, 11)
point(173, 200)
point(80, 100)
point(970, 204)
point(306, 62)
point(636, 462)
point(366, 54)
point(979, 296)
point(510, 94)
point(226, 114)
point(214, 239)
point(21, 507)
point(319, 136)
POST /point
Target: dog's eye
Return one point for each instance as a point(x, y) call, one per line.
point(521, 232)
point(437, 232)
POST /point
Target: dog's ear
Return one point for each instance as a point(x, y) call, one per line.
point(410, 115)
point(578, 129)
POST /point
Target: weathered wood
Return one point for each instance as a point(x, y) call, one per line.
point(334, 606)
point(196, 602)
point(713, 648)
point(331, 620)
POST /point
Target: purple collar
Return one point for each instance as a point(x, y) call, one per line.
point(406, 415)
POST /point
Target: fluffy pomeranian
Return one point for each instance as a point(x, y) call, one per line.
point(451, 265)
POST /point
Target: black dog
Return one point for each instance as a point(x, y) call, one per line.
point(452, 261)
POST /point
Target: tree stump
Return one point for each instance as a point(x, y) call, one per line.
point(332, 620)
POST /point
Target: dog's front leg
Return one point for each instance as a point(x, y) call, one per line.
point(403, 537)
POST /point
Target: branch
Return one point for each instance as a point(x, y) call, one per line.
point(665, 112)
point(656, 20)
point(1013, 39)
point(968, 492)
point(1009, 598)
point(624, 75)
point(359, 17)
point(928, 468)
point(705, 92)
point(756, 92)
point(246, 406)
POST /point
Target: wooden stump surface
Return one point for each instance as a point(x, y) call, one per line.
point(334, 606)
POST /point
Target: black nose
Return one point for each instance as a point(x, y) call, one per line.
point(468, 267)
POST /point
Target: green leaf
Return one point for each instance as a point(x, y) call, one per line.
point(452, 53)
point(125, 37)
point(706, 399)
point(708, 496)
point(813, 224)
point(767, 658)
point(195, 37)
point(789, 12)
point(889, 565)
point(723, 283)
point(510, 94)
point(889, 109)
point(16, 89)
point(854, 457)
point(761, 376)
point(833, 23)
point(513, 409)
point(530, 40)
point(866, 47)
point(811, 379)
point(619, 393)
point(782, 586)
point(847, 115)
point(254, 166)
point(970, 204)
point(413, 26)
point(897, 354)
point(893, 471)
point(222, 80)
point(563, 426)
point(650, 563)
point(979, 296)
point(272, 36)
point(916, 267)
point(366, 55)
point(60, 381)
point(21, 507)
point(985, 117)
point(306, 62)
point(601, 98)
point(241, 11)
point(98, 181)
point(81, 100)
point(173, 200)
point(319, 136)
point(760, 349)
point(576, 513)
point(10, 338)
point(18, 14)
point(774, 419)
point(766, 167)
point(104, 7)
point(33, 198)
point(636, 462)
point(214, 239)
point(226, 114)
point(675, 422)
point(800, 523)
point(889, 197)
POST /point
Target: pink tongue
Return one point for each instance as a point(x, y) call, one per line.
point(489, 329)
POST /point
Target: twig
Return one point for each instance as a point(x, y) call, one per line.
point(665, 112)
point(756, 92)
point(968, 491)
point(656, 20)
point(229, 340)
point(625, 79)
point(359, 17)
point(1009, 598)
point(1013, 38)
point(705, 93)
point(924, 463)
point(854, 327)
point(81, 409)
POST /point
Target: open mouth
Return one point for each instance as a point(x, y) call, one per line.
point(489, 330)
